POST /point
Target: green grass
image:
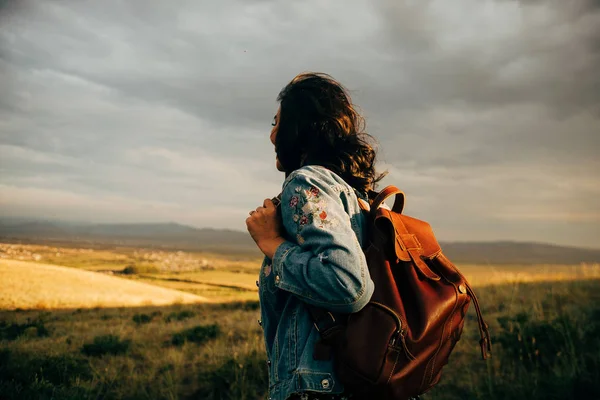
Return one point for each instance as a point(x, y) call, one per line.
point(106, 345)
point(546, 345)
point(198, 334)
point(107, 353)
point(546, 342)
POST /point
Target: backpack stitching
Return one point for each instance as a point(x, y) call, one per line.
point(394, 367)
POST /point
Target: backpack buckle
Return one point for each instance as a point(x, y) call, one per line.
point(325, 327)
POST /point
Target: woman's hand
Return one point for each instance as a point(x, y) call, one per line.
point(264, 225)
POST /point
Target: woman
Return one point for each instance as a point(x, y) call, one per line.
point(313, 245)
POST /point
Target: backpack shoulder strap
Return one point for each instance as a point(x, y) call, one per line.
point(382, 196)
point(328, 326)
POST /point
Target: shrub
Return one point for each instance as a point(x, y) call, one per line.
point(133, 269)
point(24, 368)
point(142, 318)
point(179, 316)
point(199, 334)
point(13, 331)
point(240, 305)
point(106, 344)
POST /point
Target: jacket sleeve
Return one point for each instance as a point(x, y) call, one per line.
point(323, 263)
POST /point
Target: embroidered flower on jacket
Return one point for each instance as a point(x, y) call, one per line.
point(309, 207)
point(294, 201)
point(300, 239)
point(312, 192)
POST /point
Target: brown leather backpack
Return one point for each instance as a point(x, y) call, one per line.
point(396, 346)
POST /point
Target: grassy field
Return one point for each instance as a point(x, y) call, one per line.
point(29, 285)
point(544, 320)
point(219, 278)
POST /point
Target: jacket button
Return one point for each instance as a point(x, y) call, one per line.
point(277, 278)
point(325, 383)
point(462, 289)
point(259, 322)
point(269, 363)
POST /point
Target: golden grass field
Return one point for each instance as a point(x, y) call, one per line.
point(131, 272)
point(29, 285)
point(544, 320)
point(36, 276)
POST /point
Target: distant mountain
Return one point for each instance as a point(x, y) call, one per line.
point(181, 237)
point(506, 252)
point(165, 235)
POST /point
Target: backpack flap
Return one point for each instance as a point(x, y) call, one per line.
point(407, 246)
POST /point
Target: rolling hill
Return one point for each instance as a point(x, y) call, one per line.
point(28, 285)
point(163, 235)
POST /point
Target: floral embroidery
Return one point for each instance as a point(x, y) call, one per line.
point(300, 239)
point(267, 270)
point(309, 208)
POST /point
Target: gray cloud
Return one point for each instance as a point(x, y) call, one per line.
point(487, 113)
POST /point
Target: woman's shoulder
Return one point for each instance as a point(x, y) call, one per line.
point(319, 176)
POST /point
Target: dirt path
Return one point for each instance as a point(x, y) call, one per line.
point(28, 285)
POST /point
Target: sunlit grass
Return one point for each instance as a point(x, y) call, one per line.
point(546, 339)
point(29, 285)
point(481, 275)
point(544, 321)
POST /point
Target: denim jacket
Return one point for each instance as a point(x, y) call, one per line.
point(320, 263)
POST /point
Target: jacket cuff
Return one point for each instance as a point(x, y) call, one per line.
point(278, 259)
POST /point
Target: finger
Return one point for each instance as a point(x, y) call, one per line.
point(259, 209)
point(252, 212)
point(268, 203)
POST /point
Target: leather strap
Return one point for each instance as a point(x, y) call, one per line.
point(486, 341)
point(408, 247)
point(383, 195)
point(329, 329)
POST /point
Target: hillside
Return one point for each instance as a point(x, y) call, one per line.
point(163, 235)
point(28, 285)
point(181, 237)
point(518, 253)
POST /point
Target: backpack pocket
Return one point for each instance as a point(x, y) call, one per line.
point(372, 347)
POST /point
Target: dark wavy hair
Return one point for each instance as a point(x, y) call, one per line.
point(318, 125)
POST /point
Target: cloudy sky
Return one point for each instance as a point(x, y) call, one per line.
point(487, 112)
